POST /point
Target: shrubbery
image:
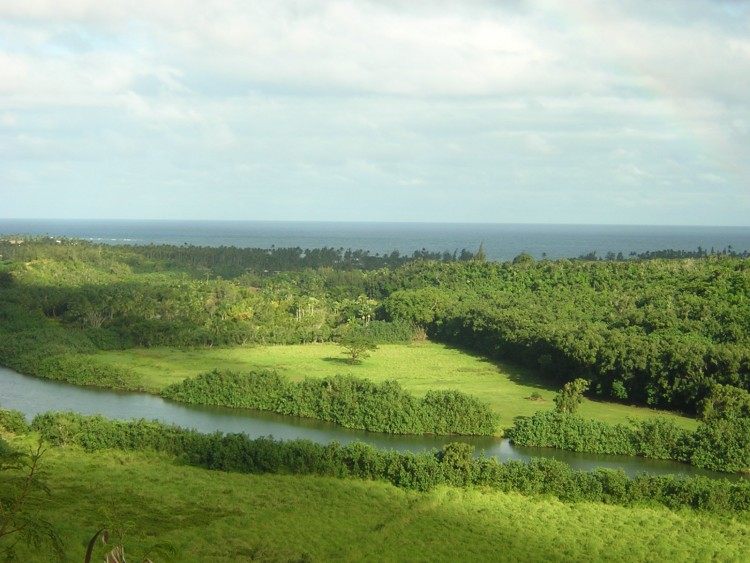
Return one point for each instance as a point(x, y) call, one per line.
point(720, 445)
point(454, 465)
point(80, 370)
point(394, 332)
point(13, 421)
point(345, 400)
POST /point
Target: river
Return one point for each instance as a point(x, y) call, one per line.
point(33, 395)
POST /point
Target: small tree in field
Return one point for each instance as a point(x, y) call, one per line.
point(357, 347)
point(570, 396)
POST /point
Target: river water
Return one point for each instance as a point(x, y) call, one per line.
point(32, 396)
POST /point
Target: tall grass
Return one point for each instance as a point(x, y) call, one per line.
point(223, 517)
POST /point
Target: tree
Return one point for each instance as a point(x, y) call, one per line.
point(357, 346)
point(523, 258)
point(19, 479)
point(481, 255)
point(725, 402)
point(570, 396)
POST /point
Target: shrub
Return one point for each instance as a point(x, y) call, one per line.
point(13, 421)
point(349, 401)
point(720, 445)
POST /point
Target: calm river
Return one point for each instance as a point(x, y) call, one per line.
point(32, 395)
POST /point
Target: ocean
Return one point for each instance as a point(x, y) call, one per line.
point(499, 241)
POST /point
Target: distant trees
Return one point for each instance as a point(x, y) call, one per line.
point(657, 332)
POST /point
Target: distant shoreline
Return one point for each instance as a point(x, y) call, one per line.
point(499, 241)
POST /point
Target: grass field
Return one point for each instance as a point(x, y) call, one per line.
point(215, 517)
point(418, 367)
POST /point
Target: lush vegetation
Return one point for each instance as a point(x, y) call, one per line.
point(668, 330)
point(721, 445)
point(149, 499)
point(655, 332)
point(345, 400)
point(20, 481)
point(419, 367)
point(454, 465)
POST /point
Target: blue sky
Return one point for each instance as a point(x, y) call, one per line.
point(515, 111)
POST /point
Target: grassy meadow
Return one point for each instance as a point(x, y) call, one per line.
point(418, 367)
point(216, 516)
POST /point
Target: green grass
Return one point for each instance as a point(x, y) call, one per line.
point(215, 516)
point(418, 367)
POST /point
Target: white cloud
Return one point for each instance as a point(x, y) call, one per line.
point(497, 102)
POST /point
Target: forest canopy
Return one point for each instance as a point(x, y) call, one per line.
point(646, 330)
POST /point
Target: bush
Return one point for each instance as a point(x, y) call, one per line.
point(571, 432)
point(13, 421)
point(81, 370)
point(720, 445)
point(349, 401)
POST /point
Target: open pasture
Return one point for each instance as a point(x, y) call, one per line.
point(417, 367)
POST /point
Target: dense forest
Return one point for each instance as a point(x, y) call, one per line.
point(651, 331)
point(664, 329)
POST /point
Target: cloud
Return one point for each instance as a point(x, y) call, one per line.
point(303, 101)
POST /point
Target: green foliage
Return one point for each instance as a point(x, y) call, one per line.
point(453, 412)
point(357, 346)
point(224, 517)
point(725, 402)
point(13, 421)
point(523, 258)
point(720, 445)
point(116, 553)
point(388, 332)
point(454, 465)
point(21, 480)
point(570, 396)
point(80, 370)
point(657, 332)
point(345, 400)
point(654, 332)
point(571, 432)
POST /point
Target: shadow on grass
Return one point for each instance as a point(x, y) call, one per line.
point(515, 372)
point(340, 361)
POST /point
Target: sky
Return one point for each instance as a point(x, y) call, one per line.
point(490, 111)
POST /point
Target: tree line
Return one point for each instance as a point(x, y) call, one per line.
point(658, 332)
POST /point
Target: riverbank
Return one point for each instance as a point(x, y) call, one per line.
point(33, 396)
point(221, 516)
